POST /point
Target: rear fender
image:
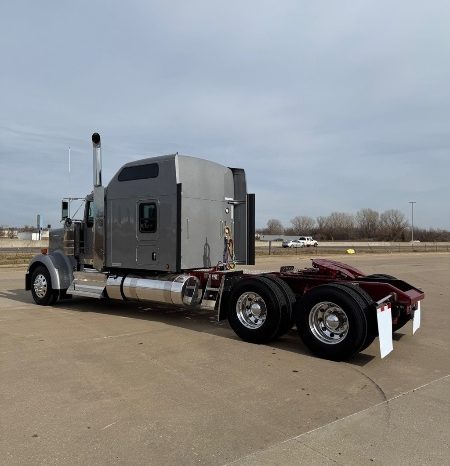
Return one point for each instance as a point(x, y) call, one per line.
point(229, 280)
point(59, 266)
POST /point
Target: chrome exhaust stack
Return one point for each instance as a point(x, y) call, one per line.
point(99, 205)
point(97, 149)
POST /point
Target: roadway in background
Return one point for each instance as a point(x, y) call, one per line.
point(340, 247)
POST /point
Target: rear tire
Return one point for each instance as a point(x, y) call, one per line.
point(332, 321)
point(372, 330)
point(286, 317)
point(255, 306)
point(41, 287)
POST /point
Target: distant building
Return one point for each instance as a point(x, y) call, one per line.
point(32, 236)
point(276, 237)
point(7, 232)
point(25, 235)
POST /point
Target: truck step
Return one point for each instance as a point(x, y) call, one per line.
point(88, 283)
point(210, 296)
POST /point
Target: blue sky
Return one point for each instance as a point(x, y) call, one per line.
point(329, 106)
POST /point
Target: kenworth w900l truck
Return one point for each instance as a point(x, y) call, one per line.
point(171, 230)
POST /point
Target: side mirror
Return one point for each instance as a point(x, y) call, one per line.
point(64, 210)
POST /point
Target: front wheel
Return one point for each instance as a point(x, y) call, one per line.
point(333, 321)
point(41, 287)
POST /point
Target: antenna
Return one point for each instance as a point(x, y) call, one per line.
point(69, 167)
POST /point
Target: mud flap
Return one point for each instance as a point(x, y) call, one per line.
point(416, 319)
point(384, 319)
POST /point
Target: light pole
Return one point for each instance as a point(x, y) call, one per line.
point(412, 219)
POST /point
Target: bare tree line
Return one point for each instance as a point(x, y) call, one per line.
point(11, 232)
point(366, 224)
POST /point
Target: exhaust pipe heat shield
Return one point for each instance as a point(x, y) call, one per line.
point(99, 205)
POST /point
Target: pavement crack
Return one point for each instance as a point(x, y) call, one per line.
point(304, 434)
point(320, 453)
point(372, 381)
point(386, 406)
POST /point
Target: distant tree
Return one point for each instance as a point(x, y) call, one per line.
point(322, 228)
point(393, 225)
point(432, 234)
point(340, 225)
point(367, 221)
point(274, 227)
point(27, 228)
point(302, 225)
point(337, 226)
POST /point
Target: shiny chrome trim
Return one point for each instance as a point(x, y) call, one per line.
point(180, 290)
point(40, 286)
point(251, 310)
point(328, 322)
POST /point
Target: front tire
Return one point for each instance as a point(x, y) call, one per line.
point(41, 287)
point(333, 321)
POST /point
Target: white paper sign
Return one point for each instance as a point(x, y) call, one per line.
point(416, 318)
point(384, 319)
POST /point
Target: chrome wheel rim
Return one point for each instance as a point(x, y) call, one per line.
point(251, 310)
point(40, 286)
point(328, 322)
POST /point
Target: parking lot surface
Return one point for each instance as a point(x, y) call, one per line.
point(89, 382)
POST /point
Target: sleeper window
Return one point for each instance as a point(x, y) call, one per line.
point(147, 218)
point(139, 172)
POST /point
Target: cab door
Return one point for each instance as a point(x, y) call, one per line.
point(147, 232)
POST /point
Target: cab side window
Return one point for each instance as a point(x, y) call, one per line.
point(147, 217)
point(90, 214)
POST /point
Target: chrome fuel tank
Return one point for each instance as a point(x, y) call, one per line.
point(179, 290)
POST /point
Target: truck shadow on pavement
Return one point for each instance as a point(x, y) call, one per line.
point(198, 320)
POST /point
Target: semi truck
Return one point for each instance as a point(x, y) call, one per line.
point(178, 231)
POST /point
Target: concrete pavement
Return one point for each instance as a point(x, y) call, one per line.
point(89, 382)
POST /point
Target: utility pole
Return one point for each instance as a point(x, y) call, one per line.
point(412, 219)
point(38, 224)
point(69, 170)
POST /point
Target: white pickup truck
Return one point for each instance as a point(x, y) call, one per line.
point(308, 241)
point(301, 242)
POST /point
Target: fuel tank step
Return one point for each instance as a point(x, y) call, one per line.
point(89, 284)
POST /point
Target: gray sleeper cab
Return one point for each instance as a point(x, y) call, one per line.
point(169, 214)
